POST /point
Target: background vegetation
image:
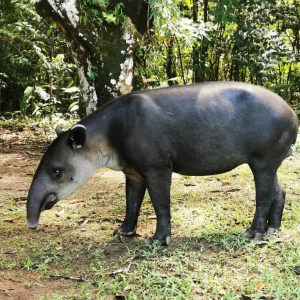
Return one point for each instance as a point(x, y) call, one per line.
point(185, 42)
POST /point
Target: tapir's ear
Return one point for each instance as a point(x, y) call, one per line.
point(78, 136)
point(58, 130)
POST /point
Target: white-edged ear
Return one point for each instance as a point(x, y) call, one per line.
point(58, 130)
point(78, 136)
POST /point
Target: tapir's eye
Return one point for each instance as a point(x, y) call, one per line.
point(57, 173)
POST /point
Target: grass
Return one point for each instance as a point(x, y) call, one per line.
point(207, 259)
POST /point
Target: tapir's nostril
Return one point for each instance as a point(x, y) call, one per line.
point(50, 201)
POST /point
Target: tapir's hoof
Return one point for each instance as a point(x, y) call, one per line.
point(158, 241)
point(120, 232)
point(271, 231)
point(251, 234)
point(258, 236)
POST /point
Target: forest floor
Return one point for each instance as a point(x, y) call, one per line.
point(74, 255)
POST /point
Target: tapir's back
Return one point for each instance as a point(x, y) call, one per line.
point(206, 128)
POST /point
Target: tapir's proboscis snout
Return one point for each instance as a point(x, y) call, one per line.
point(33, 210)
point(35, 206)
point(195, 130)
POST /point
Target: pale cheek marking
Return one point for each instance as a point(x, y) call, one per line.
point(84, 169)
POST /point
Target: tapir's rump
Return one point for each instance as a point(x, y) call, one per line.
point(201, 129)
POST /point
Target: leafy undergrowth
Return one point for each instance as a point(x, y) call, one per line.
point(74, 255)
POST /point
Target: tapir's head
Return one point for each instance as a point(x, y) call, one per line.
point(67, 164)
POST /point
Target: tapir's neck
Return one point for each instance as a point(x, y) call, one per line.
point(102, 154)
point(98, 126)
point(110, 160)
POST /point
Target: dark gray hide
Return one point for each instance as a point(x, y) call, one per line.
point(202, 129)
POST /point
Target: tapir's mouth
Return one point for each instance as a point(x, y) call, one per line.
point(32, 226)
point(49, 201)
point(33, 213)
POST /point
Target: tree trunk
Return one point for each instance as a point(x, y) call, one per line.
point(200, 51)
point(171, 63)
point(104, 49)
point(196, 48)
point(204, 46)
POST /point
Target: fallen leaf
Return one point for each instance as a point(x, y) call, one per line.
point(246, 297)
point(232, 190)
point(236, 254)
point(260, 242)
point(60, 213)
point(106, 250)
point(225, 183)
point(76, 201)
point(260, 286)
point(12, 251)
point(113, 273)
point(151, 217)
point(106, 219)
point(59, 246)
point(12, 220)
point(20, 199)
point(85, 221)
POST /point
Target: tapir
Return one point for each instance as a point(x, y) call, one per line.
point(195, 130)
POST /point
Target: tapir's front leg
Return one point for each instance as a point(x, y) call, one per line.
point(158, 183)
point(135, 191)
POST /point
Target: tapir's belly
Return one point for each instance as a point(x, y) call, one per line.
point(201, 166)
point(204, 158)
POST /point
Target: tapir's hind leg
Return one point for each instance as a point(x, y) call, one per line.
point(158, 183)
point(275, 213)
point(265, 182)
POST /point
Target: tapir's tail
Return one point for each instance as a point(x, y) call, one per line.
point(290, 152)
point(296, 135)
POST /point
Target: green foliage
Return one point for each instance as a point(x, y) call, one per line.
point(252, 41)
point(187, 41)
point(36, 62)
point(101, 16)
point(100, 3)
point(168, 21)
point(115, 16)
